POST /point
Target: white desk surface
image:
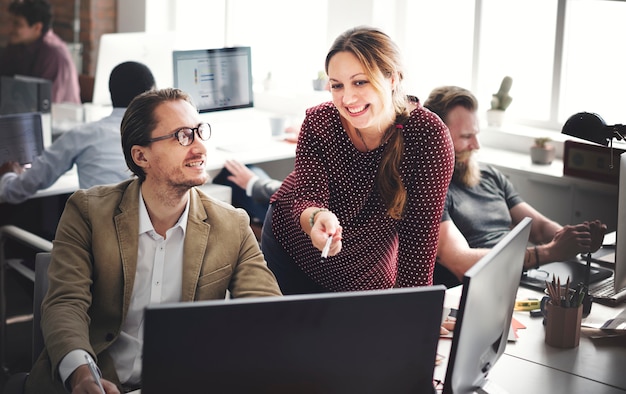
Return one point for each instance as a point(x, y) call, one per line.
point(530, 366)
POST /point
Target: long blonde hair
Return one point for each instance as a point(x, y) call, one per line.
point(381, 59)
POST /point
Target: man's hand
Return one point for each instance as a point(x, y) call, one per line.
point(240, 174)
point(597, 230)
point(569, 241)
point(82, 382)
point(11, 166)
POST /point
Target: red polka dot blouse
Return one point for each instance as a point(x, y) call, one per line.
point(378, 251)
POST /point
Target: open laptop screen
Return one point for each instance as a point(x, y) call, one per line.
point(216, 79)
point(382, 341)
point(21, 137)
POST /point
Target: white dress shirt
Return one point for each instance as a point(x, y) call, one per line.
point(158, 279)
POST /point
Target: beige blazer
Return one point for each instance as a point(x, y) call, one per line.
point(93, 266)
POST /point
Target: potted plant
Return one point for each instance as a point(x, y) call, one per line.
point(321, 82)
point(542, 152)
point(500, 101)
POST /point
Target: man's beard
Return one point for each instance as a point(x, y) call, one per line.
point(466, 169)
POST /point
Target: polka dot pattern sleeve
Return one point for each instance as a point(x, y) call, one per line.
point(330, 172)
point(430, 160)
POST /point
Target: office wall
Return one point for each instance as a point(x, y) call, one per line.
point(96, 18)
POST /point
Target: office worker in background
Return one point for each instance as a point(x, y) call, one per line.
point(95, 147)
point(251, 187)
point(482, 205)
point(371, 171)
point(151, 239)
point(35, 50)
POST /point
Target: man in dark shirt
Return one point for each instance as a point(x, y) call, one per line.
point(34, 50)
point(482, 205)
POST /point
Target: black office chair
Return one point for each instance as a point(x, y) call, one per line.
point(14, 236)
point(15, 384)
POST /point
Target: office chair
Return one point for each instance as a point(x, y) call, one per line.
point(15, 235)
point(15, 384)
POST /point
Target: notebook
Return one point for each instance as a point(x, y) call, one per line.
point(485, 312)
point(380, 341)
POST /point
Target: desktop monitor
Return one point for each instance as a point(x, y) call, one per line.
point(152, 49)
point(381, 341)
point(216, 79)
point(21, 137)
point(620, 234)
point(485, 312)
point(22, 93)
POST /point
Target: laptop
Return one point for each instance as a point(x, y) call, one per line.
point(485, 312)
point(381, 341)
point(21, 137)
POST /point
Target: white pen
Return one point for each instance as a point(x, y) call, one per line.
point(94, 372)
point(327, 246)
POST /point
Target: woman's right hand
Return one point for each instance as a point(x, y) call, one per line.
point(326, 224)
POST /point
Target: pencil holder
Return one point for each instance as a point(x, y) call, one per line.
point(563, 325)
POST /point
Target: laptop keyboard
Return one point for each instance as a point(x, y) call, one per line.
point(605, 289)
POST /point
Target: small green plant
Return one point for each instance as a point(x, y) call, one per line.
point(502, 100)
point(321, 82)
point(542, 142)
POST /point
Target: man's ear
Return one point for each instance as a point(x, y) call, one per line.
point(38, 28)
point(138, 154)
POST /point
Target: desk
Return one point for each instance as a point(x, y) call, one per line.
point(530, 366)
point(599, 359)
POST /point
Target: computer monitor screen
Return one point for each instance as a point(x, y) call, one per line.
point(21, 137)
point(382, 341)
point(216, 79)
point(485, 312)
point(152, 49)
point(22, 93)
point(620, 234)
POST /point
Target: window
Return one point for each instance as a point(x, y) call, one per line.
point(517, 38)
point(594, 63)
point(288, 38)
point(565, 56)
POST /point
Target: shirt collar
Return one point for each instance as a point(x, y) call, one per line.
point(145, 224)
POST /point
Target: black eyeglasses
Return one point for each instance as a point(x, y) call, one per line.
point(186, 135)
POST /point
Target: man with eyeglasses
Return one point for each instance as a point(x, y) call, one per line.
point(152, 239)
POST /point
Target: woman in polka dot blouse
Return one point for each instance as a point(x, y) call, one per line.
point(371, 173)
